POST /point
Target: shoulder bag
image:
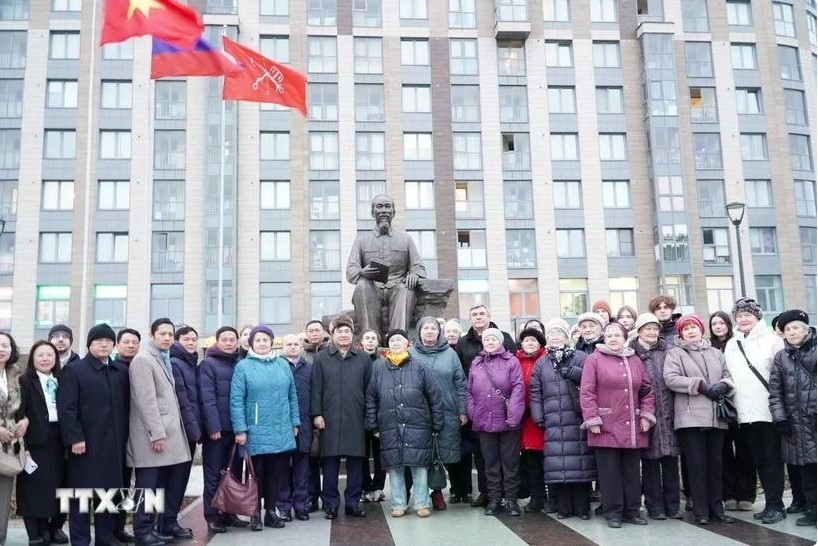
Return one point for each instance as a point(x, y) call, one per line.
point(234, 496)
point(726, 411)
point(12, 463)
point(497, 391)
point(437, 471)
point(753, 368)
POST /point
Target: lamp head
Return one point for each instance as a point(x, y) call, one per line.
point(735, 212)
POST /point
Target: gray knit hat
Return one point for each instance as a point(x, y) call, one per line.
point(493, 332)
point(558, 324)
point(645, 318)
point(590, 316)
point(747, 305)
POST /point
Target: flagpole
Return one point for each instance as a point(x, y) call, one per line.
point(222, 150)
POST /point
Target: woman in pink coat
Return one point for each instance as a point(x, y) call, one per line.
point(617, 403)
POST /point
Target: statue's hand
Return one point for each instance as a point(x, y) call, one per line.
point(411, 281)
point(369, 272)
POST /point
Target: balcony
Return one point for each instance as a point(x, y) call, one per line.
point(471, 258)
point(169, 210)
point(366, 18)
point(369, 113)
point(322, 17)
point(170, 110)
point(221, 7)
point(511, 22)
point(168, 261)
point(169, 161)
point(708, 160)
point(11, 109)
point(516, 161)
point(711, 209)
point(469, 209)
point(519, 210)
point(14, 10)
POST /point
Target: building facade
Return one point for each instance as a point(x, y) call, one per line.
point(543, 153)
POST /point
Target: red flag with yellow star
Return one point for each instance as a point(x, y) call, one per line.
point(167, 20)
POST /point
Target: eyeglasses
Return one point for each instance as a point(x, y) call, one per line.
point(60, 336)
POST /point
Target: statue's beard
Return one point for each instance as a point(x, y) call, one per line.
point(383, 226)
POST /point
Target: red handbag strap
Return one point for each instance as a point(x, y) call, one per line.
point(249, 462)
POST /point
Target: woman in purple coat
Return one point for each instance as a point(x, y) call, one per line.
point(617, 403)
point(495, 401)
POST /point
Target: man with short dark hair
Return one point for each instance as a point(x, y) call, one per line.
point(62, 337)
point(663, 307)
point(316, 339)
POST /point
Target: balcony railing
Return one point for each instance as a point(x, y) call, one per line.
point(519, 209)
point(707, 161)
point(169, 161)
point(325, 260)
point(704, 114)
point(516, 161)
point(322, 17)
point(369, 113)
point(168, 261)
point(711, 209)
point(512, 13)
point(715, 255)
point(7, 265)
point(169, 210)
point(9, 159)
point(170, 110)
point(667, 156)
point(513, 114)
point(471, 257)
point(521, 258)
point(11, 109)
point(366, 18)
point(221, 7)
point(14, 11)
point(12, 60)
point(469, 209)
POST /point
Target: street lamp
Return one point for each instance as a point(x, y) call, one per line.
point(735, 212)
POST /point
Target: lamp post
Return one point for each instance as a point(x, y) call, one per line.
point(735, 212)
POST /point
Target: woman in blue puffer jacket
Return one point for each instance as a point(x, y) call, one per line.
point(264, 412)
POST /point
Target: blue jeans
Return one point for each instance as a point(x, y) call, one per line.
point(420, 487)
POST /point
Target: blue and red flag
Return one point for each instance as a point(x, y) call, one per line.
point(200, 60)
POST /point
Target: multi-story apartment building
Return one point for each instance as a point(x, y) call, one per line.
point(543, 153)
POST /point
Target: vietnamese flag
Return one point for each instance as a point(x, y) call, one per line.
point(263, 80)
point(167, 20)
point(201, 60)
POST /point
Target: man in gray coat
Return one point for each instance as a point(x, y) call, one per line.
point(157, 446)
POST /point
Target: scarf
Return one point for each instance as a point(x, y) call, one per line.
point(165, 356)
point(396, 359)
point(560, 354)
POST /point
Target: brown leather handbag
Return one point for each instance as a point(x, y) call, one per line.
point(234, 496)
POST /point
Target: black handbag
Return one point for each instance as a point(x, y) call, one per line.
point(437, 472)
point(726, 411)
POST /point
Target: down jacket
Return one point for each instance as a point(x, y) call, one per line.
point(793, 399)
point(532, 436)
point(186, 382)
point(662, 441)
point(302, 374)
point(403, 405)
point(215, 374)
point(554, 406)
point(488, 410)
point(264, 404)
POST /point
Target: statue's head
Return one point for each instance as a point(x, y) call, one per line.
point(383, 211)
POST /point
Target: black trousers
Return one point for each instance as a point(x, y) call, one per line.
point(480, 466)
point(330, 496)
point(703, 447)
point(157, 477)
point(79, 527)
point(660, 485)
point(765, 443)
point(619, 482)
point(314, 478)
point(175, 494)
point(738, 471)
point(571, 499)
point(215, 455)
point(501, 456)
point(373, 482)
point(808, 483)
point(531, 474)
point(41, 528)
point(272, 474)
point(460, 476)
point(796, 484)
point(295, 493)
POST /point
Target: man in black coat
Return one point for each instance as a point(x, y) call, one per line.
point(93, 405)
point(340, 376)
point(127, 345)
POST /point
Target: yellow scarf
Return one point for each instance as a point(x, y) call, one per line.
point(396, 359)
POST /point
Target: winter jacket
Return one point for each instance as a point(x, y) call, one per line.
point(215, 375)
point(662, 437)
point(588, 347)
point(793, 399)
point(489, 410)
point(609, 395)
point(471, 345)
point(687, 365)
point(264, 404)
point(532, 436)
point(309, 350)
point(555, 406)
point(302, 374)
point(667, 330)
point(444, 368)
point(186, 380)
point(403, 405)
point(752, 400)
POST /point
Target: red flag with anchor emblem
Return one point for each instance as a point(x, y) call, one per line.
point(263, 80)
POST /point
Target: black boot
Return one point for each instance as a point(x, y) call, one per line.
point(513, 508)
point(808, 519)
point(255, 523)
point(272, 519)
point(494, 507)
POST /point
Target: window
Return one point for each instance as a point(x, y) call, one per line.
point(8, 197)
point(573, 297)
point(739, 13)
point(510, 59)
point(10, 148)
point(60, 144)
point(562, 100)
point(368, 55)
point(325, 251)
point(744, 56)
point(323, 151)
point(425, 243)
point(564, 147)
point(558, 54)
point(366, 13)
point(524, 298)
point(808, 244)
point(370, 154)
point(468, 199)
point(274, 246)
point(468, 154)
point(322, 54)
point(624, 291)
point(567, 194)
point(720, 296)
point(274, 302)
point(613, 147)
point(556, 10)
point(52, 306)
point(716, 246)
point(516, 154)
point(366, 190)
point(116, 144)
point(11, 98)
point(64, 45)
point(707, 148)
point(322, 12)
point(796, 107)
point(788, 63)
point(13, 49)
point(58, 195)
point(619, 242)
point(417, 146)
point(168, 254)
point(171, 98)
point(168, 200)
point(275, 47)
point(805, 198)
point(763, 240)
point(274, 146)
point(666, 148)
point(115, 94)
point(570, 243)
point(753, 147)
point(416, 99)
point(323, 101)
point(462, 57)
point(167, 300)
point(603, 11)
point(465, 103)
point(511, 10)
point(748, 100)
point(324, 200)
point(699, 60)
point(472, 292)
point(694, 16)
point(812, 27)
point(703, 108)
point(66, 5)
point(414, 52)
point(521, 249)
point(122, 51)
point(61, 94)
point(369, 102)
point(662, 98)
point(606, 55)
point(674, 242)
point(609, 100)
point(274, 194)
point(471, 249)
point(413, 9)
point(113, 195)
point(769, 294)
point(670, 191)
point(800, 152)
point(169, 150)
point(784, 19)
point(462, 14)
point(519, 200)
point(7, 241)
point(55, 248)
point(711, 198)
point(420, 194)
point(812, 297)
point(278, 8)
point(325, 298)
point(759, 193)
point(112, 247)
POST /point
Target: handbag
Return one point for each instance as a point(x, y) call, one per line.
point(497, 391)
point(753, 368)
point(12, 463)
point(726, 411)
point(234, 496)
point(437, 471)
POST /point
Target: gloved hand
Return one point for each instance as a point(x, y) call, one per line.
point(644, 390)
point(707, 390)
point(565, 371)
point(783, 427)
point(721, 389)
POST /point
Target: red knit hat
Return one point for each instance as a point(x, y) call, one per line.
point(601, 304)
point(695, 319)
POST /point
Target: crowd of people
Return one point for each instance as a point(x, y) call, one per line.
point(619, 408)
